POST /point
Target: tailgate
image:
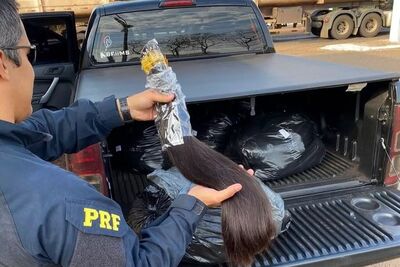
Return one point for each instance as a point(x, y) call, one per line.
point(348, 228)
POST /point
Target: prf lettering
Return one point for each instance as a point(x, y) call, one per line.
point(106, 220)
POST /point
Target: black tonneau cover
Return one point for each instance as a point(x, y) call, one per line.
point(231, 77)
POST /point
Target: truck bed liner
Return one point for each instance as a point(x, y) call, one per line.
point(337, 225)
point(333, 169)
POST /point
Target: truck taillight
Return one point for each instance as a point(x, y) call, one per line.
point(177, 3)
point(88, 164)
point(394, 166)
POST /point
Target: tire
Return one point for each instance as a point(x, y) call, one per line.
point(316, 31)
point(371, 25)
point(342, 27)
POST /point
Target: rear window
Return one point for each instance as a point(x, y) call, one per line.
point(185, 32)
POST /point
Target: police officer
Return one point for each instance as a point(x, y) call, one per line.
point(48, 216)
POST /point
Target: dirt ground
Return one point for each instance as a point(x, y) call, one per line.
point(374, 53)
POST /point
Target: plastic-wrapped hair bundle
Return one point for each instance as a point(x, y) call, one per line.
point(247, 225)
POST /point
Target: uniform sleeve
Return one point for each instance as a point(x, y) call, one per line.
point(97, 235)
point(73, 128)
point(164, 242)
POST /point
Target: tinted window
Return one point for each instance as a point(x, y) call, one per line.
point(186, 32)
point(50, 38)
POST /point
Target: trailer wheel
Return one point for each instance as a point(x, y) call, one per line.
point(371, 25)
point(342, 27)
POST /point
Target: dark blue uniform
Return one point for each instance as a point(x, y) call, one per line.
point(49, 216)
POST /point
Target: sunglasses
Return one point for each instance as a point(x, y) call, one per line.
point(32, 51)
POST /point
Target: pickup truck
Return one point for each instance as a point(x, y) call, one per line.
point(346, 210)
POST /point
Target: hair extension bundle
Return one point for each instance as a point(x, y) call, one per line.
point(247, 223)
point(247, 226)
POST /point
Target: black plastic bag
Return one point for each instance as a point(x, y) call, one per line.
point(278, 145)
point(207, 245)
point(214, 131)
point(151, 204)
point(140, 153)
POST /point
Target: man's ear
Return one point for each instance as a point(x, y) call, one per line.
point(4, 66)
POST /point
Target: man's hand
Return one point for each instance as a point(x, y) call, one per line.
point(142, 104)
point(212, 197)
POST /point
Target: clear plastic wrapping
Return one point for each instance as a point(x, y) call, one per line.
point(173, 120)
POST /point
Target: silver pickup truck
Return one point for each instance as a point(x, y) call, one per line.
point(346, 210)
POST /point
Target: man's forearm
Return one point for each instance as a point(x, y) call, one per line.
point(73, 128)
point(164, 242)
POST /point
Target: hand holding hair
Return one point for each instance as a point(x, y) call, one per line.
point(211, 197)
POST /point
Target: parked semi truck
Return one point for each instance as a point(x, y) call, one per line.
point(338, 19)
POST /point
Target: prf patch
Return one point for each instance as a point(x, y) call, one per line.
point(95, 218)
point(105, 219)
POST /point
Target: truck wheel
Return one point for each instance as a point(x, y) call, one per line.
point(371, 25)
point(342, 27)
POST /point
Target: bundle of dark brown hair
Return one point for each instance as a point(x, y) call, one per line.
point(247, 225)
